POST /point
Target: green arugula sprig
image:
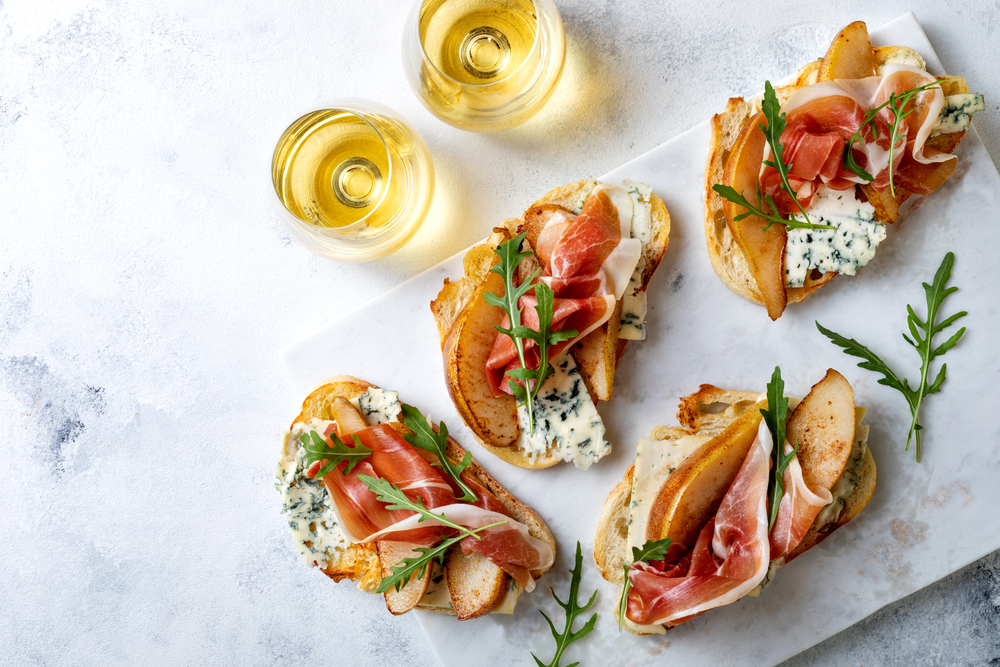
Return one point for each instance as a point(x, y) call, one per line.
point(317, 449)
point(776, 417)
point(772, 134)
point(923, 344)
point(897, 102)
point(650, 551)
point(573, 609)
point(395, 499)
point(511, 257)
point(424, 437)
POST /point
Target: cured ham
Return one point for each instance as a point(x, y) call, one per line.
point(822, 118)
point(588, 261)
point(729, 559)
point(797, 509)
point(364, 518)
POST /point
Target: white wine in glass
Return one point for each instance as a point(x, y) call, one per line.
point(484, 65)
point(353, 181)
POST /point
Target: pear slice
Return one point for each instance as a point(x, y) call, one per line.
point(407, 597)
point(850, 55)
point(693, 493)
point(822, 425)
point(475, 584)
point(764, 251)
point(596, 355)
point(492, 418)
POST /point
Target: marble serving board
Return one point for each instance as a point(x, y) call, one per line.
point(925, 520)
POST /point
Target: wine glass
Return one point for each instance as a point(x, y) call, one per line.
point(484, 65)
point(352, 180)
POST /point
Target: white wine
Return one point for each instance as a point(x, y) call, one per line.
point(479, 41)
point(484, 65)
point(331, 169)
point(353, 181)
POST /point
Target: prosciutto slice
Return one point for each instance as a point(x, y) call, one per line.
point(797, 509)
point(364, 518)
point(822, 118)
point(588, 260)
point(729, 559)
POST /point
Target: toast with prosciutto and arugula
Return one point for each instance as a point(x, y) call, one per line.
point(711, 510)
point(532, 334)
point(861, 131)
point(376, 494)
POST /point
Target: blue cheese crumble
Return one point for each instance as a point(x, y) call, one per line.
point(850, 245)
point(632, 325)
point(378, 406)
point(567, 424)
point(311, 520)
point(957, 112)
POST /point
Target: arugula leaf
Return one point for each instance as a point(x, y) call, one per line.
point(395, 499)
point(776, 417)
point(573, 609)
point(935, 294)
point(650, 551)
point(318, 450)
point(897, 102)
point(772, 134)
point(730, 193)
point(401, 573)
point(424, 437)
point(510, 258)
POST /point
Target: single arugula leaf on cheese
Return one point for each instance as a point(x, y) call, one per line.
point(573, 609)
point(317, 449)
point(424, 437)
point(652, 550)
point(776, 417)
point(935, 294)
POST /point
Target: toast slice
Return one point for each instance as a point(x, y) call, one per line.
point(710, 412)
point(475, 586)
point(465, 329)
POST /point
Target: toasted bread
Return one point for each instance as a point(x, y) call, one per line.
point(476, 585)
point(465, 324)
point(849, 56)
point(712, 412)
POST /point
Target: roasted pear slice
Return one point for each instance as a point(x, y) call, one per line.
point(850, 56)
point(693, 493)
point(492, 418)
point(597, 355)
point(475, 584)
point(764, 251)
point(407, 597)
point(822, 425)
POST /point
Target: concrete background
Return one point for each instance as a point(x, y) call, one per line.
point(145, 285)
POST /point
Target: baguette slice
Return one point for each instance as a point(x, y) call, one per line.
point(477, 586)
point(710, 412)
point(465, 321)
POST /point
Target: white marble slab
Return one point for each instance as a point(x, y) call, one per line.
point(925, 519)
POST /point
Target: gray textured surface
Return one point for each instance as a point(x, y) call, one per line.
point(145, 284)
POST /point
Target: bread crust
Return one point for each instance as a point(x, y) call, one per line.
point(454, 297)
point(360, 562)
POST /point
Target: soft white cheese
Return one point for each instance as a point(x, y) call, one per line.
point(902, 57)
point(566, 419)
point(655, 461)
point(850, 245)
point(588, 187)
point(957, 113)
